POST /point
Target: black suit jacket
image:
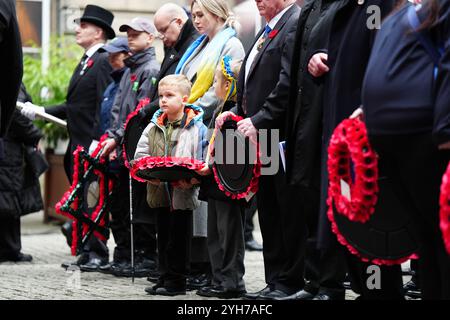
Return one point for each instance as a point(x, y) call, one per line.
point(263, 79)
point(11, 67)
point(171, 58)
point(84, 97)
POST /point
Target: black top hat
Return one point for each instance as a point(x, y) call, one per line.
point(100, 17)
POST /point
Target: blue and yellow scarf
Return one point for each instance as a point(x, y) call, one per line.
point(211, 57)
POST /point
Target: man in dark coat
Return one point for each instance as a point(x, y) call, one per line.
point(84, 97)
point(325, 85)
point(177, 33)
point(283, 241)
point(20, 192)
point(11, 64)
point(88, 83)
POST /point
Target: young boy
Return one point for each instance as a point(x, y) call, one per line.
point(135, 85)
point(176, 130)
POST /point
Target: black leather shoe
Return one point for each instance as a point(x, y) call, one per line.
point(258, 294)
point(66, 230)
point(299, 295)
point(323, 296)
point(274, 295)
point(165, 291)
point(93, 265)
point(198, 281)
point(220, 292)
point(252, 245)
point(20, 257)
point(82, 259)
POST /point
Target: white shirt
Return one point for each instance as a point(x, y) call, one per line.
point(272, 23)
point(90, 52)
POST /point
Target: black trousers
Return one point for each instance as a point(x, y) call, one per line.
point(120, 216)
point(390, 280)
point(226, 243)
point(249, 214)
point(282, 212)
point(417, 166)
point(10, 243)
point(174, 229)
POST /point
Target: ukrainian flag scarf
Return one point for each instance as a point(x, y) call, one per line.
point(209, 63)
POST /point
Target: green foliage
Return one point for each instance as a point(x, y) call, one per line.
point(64, 55)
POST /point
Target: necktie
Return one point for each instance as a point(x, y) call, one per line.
point(267, 30)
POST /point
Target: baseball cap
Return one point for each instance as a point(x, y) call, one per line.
point(118, 44)
point(139, 24)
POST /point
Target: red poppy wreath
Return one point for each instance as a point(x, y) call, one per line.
point(349, 144)
point(444, 202)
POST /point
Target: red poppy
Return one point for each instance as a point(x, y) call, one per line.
point(133, 78)
point(90, 63)
point(273, 34)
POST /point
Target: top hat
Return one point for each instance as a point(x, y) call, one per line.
point(100, 17)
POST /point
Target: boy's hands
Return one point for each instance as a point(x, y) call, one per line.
point(205, 171)
point(184, 184)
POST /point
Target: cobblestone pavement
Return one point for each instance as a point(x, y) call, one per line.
point(43, 278)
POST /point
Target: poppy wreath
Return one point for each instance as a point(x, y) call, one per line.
point(349, 143)
point(254, 182)
point(444, 202)
point(69, 205)
point(141, 104)
point(163, 162)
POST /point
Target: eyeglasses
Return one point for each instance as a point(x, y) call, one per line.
point(162, 32)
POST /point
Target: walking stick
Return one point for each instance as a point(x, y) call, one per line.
point(131, 228)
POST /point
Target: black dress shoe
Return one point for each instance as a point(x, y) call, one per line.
point(198, 281)
point(93, 265)
point(299, 295)
point(252, 245)
point(82, 259)
point(323, 296)
point(274, 295)
point(166, 291)
point(20, 257)
point(258, 294)
point(220, 292)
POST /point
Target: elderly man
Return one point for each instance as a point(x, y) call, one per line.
point(11, 65)
point(82, 106)
point(177, 32)
point(280, 223)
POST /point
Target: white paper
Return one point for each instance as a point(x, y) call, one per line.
point(345, 190)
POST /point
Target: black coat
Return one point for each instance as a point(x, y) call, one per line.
point(19, 188)
point(343, 87)
point(254, 98)
point(11, 66)
point(303, 121)
point(171, 58)
point(82, 106)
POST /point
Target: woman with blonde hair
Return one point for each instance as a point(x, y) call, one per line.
point(216, 23)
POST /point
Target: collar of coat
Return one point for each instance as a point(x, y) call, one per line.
point(140, 58)
point(192, 115)
point(187, 32)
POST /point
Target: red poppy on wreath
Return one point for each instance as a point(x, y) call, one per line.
point(444, 213)
point(273, 34)
point(90, 63)
point(349, 144)
point(133, 78)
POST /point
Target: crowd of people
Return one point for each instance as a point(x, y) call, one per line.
point(307, 70)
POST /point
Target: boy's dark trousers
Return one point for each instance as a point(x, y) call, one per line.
point(174, 229)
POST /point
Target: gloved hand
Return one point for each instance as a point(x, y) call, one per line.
point(29, 110)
